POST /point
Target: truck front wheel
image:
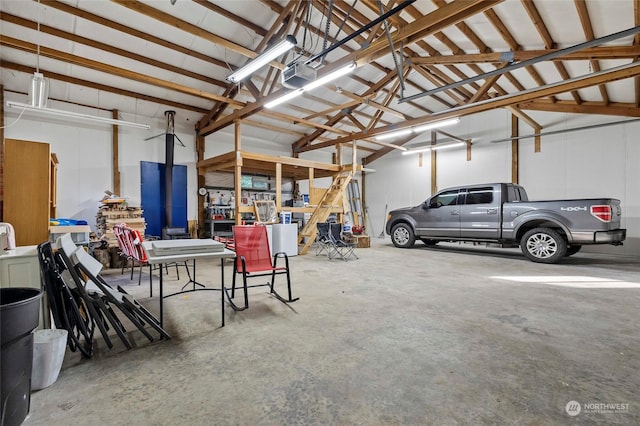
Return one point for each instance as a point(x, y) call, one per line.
point(402, 235)
point(543, 245)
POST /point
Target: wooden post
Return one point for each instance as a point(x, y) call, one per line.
point(201, 182)
point(434, 164)
point(514, 148)
point(354, 151)
point(115, 154)
point(237, 184)
point(468, 149)
point(338, 155)
point(536, 139)
point(238, 140)
point(278, 186)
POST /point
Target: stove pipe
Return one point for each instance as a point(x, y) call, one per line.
point(168, 168)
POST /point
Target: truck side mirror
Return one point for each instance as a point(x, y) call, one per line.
point(434, 204)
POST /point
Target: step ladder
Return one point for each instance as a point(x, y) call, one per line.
point(331, 200)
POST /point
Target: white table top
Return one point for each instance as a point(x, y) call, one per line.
point(154, 259)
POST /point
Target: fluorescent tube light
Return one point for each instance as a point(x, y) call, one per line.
point(394, 134)
point(284, 98)
point(434, 148)
point(263, 59)
point(314, 84)
point(330, 76)
point(436, 124)
point(447, 146)
point(77, 115)
point(417, 129)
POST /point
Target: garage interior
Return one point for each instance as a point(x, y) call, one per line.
point(544, 94)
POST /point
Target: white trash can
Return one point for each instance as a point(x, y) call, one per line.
point(48, 353)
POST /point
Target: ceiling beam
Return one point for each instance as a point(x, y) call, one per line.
point(613, 108)
point(172, 20)
point(576, 83)
point(98, 86)
point(606, 52)
point(585, 20)
point(235, 18)
point(96, 19)
point(108, 48)
point(110, 69)
point(544, 33)
point(524, 117)
point(432, 22)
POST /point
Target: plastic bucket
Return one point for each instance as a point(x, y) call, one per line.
point(48, 353)
point(19, 314)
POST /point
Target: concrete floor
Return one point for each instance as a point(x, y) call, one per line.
point(420, 336)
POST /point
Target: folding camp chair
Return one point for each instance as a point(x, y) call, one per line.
point(253, 259)
point(343, 247)
point(323, 240)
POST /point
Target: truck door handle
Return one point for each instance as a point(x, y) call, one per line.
point(492, 211)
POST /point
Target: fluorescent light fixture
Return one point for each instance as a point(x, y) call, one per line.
point(434, 148)
point(314, 84)
point(330, 76)
point(417, 129)
point(447, 146)
point(395, 134)
point(76, 115)
point(284, 98)
point(38, 91)
point(263, 59)
point(436, 124)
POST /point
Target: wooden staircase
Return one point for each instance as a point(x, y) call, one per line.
point(331, 200)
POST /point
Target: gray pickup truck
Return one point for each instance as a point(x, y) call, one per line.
point(501, 213)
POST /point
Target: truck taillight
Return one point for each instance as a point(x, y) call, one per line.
point(602, 213)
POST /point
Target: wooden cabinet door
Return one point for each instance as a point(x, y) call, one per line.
point(26, 190)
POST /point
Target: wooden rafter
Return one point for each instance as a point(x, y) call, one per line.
point(96, 19)
point(109, 69)
point(604, 52)
point(544, 33)
point(615, 74)
point(108, 48)
point(98, 86)
point(613, 108)
point(583, 13)
point(448, 15)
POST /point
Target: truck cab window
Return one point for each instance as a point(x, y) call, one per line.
point(479, 196)
point(447, 198)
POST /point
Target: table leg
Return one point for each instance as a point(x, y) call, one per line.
point(222, 288)
point(161, 298)
point(150, 280)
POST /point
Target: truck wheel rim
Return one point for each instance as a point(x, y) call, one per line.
point(542, 245)
point(401, 236)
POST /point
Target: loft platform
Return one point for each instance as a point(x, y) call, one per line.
point(250, 162)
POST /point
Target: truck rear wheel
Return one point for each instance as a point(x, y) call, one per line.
point(402, 235)
point(543, 245)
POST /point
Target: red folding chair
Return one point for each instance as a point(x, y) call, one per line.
point(253, 259)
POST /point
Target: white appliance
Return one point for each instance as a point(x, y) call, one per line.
point(285, 239)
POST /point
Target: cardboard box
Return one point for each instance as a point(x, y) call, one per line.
point(363, 241)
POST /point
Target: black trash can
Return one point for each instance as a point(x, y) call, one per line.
point(19, 315)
